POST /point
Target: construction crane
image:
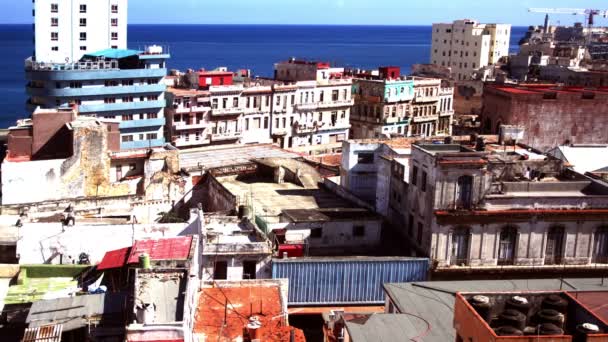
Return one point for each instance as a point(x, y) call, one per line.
point(589, 14)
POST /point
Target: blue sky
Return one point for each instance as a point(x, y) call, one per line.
point(341, 12)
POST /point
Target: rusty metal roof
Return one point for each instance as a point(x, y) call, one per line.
point(114, 259)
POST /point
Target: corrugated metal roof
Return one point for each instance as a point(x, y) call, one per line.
point(114, 53)
point(74, 312)
point(215, 157)
point(49, 333)
point(114, 259)
point(327, 281)
point(177, 248)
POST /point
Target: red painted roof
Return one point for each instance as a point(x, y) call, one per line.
point(114, 259)
point(596, 302)
point(177, 248)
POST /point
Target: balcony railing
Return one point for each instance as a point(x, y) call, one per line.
point(325, 104)
point(226, 111)
point(182, 142)
point(180, 126)
point(236, 248)
point(226, 136)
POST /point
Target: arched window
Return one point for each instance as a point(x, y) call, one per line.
point(555, 246)
point(506, 245)
point(600, 250)
point(460, 246)
point(465, 192)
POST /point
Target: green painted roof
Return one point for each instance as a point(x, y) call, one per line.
point(114, 53)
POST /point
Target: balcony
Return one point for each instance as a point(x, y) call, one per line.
point(142, 123)
point(427, 118)
point(122, 106)
point(142, 144)
point(188, 110)
point(446, 113)
point(182, 126)
point(226, 111)
point(182, 142)
point(88, 74)
point(96, 90)
point(325, 104)
point(226, 136)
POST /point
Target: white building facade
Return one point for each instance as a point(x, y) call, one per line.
point(65, 30)
point(466, 45)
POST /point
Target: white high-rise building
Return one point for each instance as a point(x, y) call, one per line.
point(466, 45)
point(65, 30)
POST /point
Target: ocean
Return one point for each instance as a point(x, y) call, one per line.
point(255, 47)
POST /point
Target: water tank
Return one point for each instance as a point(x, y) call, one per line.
point(508, 331)
point(448, 140)
point(482, 305)
point(582, 330)
point(243, 211)
point(253, 327)
point(546, 329)
point(513, 318)
point(555, 302)
point(154, 49)
point(550, 316)
point(144, 261)
point(518, 303)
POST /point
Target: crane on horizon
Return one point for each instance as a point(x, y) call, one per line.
point(589, 14)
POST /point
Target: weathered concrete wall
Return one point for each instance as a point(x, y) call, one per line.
point(548, 122)
point(43, 242)
point(235, 266)
point(217, 197)
point(530, 243)
point(337, 234)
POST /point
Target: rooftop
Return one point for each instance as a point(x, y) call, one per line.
point(434, 301)
point(178, 248)
point(380, 327)
point(229, 155)
point(37, 282)
point(114, 53)
point(224, 311)
point(535, 89)
point(183, 92)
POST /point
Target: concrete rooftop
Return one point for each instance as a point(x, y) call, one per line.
point(227, 155)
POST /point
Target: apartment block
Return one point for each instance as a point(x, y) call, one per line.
point(125, 86)
point(66, 30)
point(466, 45)
point(477, 205)
point(388, 105)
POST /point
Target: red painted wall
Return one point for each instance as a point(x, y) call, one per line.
point(215, 78)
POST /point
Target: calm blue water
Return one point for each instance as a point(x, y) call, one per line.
point(255, 47)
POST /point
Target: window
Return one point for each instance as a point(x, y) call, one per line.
point(83, 8)
point(423, 182)
point(410, 225)
point(114, 35)
point(506, 246)
point(460, 246)
point(465, 189)
point(114, 8)
point(335, 95)
point(600, 254)
point(235, 102)
point(109, 100)
point(83, 48)
point(359, 231)
point(83, 22)
point(55, 48)
point(54, 8)
point(83, 36)
point(152, 115)
point(127, 138)
point(114, 22)
point(54, 21)
point(316, 233)
point(365, 158)
point(151, 136)
point(414, 175)
point(75, 84)
point(555, 246)
point(220, 269)
point(214, 104)
point(266, 123)
point(127, 117)
point(114, 47)
point(420, 232)
point(54, 36)
point(249, 269)
point(127, 99)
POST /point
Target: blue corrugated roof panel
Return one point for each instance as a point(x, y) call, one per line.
point(114, 53)
point(340, 281)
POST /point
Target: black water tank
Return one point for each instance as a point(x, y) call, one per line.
point(555, 302)
point(518, 303)
point(549, 329)
point(483, 307)
point(513, 318)
point(448, 140)
point(550, 316)
point(582, 330)
point(508, 331)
